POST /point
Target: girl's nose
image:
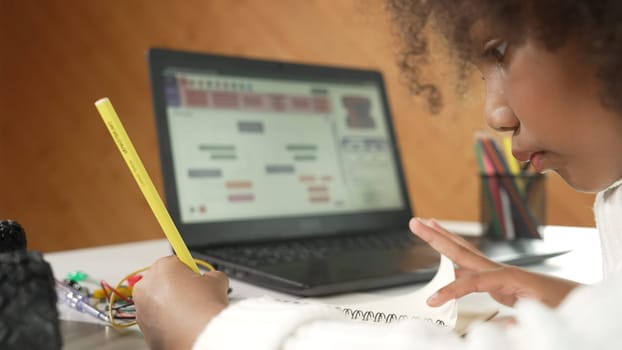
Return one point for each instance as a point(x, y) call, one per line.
point(499, 115)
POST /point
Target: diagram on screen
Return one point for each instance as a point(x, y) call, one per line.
point(359, 116)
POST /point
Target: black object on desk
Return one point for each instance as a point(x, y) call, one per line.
point(28, 314)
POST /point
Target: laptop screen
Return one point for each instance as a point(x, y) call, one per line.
point(247, 147)
point(244, 143)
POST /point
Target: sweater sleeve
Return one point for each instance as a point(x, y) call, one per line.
point(260, 323)
point(588, 319)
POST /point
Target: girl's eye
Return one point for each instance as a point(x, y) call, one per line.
point(496, 50)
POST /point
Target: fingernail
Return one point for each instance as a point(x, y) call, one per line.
point(420, 220)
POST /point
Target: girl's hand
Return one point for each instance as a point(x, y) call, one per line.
point(173, 303)
point(477, 273)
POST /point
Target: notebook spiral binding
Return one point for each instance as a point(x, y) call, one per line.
point(381, 317)
point(372, 316)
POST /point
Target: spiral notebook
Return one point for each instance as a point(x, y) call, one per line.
point(383, 309)
point(368, 307)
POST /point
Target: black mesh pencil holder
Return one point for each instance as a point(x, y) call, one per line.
point(512, 206)
point(28, 313)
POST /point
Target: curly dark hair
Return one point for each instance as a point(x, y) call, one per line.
point(596, 25)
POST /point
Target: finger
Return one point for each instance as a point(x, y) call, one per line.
point(456, 238)
point(219, 277)
point(505, 299)
point(459, 254)
point(462, 272)
point(166, 263)
point(443, 232)
point(491, 281)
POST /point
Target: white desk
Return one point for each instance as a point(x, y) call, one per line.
point(111, 263)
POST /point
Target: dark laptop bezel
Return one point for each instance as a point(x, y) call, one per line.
point(265, 229)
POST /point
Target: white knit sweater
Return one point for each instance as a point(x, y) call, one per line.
point(587, 319)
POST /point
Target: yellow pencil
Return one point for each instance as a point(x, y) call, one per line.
point(509, 157)
point(110, 118)
point(513, 164)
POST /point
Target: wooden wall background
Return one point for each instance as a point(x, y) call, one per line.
point(61, 175)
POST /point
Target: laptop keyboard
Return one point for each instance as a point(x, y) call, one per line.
point(313, 248)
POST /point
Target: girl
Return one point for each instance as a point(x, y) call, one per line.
point(552, 71)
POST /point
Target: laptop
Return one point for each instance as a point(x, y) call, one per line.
point(288, 175)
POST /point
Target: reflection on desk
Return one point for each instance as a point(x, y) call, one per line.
point(83, 335)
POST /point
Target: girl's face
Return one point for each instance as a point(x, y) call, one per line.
point(550, 102)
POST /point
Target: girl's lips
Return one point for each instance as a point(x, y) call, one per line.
point(521, 155)
point(536, 160)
